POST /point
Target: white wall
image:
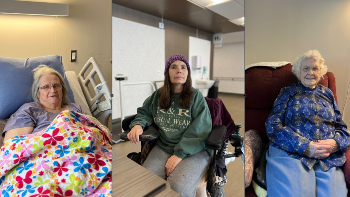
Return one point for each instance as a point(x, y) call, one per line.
point(283, 30)
point(199, 47)
point(137, 51)
point(229, 63)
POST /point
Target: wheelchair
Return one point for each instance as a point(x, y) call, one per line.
point(216, 141)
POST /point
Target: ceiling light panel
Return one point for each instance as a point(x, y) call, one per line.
point(204, 3)
point(216, 2)
point(33, 8)
point(196, 3)
point(230, 10)
point(238, 21)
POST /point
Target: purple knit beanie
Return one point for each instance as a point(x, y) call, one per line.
point(175, 58)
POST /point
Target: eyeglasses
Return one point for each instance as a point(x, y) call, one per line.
point(314, 69)
point(48, 87)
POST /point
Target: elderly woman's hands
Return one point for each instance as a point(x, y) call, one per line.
point(321, 149)
point(134, 134)
point(18, 132)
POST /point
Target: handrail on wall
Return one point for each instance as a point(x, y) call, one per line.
point(132, 84)
point(228, 78)
point(140, 83)
point(121, 85)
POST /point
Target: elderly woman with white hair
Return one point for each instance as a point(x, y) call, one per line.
point(49, 92)
point(307, 135)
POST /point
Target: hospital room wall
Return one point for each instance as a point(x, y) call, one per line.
point(87, 29)
point(176, 35)
point(283, 30)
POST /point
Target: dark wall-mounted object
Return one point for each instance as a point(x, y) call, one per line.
point(73, 56)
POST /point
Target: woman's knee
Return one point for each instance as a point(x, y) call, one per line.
point(183, 187)
point(331, 182)
point(186, 176)
point(279, 179)
point(156, 161)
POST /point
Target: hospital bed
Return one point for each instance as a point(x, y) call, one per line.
point(83, 95)
point(93, 97)
point(70, 137)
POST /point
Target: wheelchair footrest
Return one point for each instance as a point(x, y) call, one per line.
point(136, 157)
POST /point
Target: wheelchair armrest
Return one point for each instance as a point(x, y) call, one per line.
point(216, 137)
point(149, 134)
point(127, 121)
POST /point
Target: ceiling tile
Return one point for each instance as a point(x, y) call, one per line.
point(186, 13)
point(230, 10)
point(241, 2)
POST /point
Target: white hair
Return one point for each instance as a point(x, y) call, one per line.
point(44, 70)
point(311, 54)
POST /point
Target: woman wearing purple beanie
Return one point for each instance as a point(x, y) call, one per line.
point(184, 122)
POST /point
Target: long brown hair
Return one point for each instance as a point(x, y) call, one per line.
point(165, 93)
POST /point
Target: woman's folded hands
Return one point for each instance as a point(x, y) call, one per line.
point(321, 149)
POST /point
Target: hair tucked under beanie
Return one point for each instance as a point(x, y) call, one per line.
point(175, 58)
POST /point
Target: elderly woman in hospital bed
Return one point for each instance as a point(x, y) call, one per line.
point(52, 146)
point(49, 92)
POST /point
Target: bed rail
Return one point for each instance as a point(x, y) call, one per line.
point(101, 110)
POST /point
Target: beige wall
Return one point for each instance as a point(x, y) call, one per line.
point(87, 29)
point(283, 30)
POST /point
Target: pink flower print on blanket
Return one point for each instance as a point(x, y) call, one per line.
point(42, 165)
point(72, 154)
point(99, 193)
point(26, 151)
point(5, 158)
point(69, 159)
point(63, 125)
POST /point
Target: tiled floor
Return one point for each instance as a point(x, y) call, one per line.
point(235, 175)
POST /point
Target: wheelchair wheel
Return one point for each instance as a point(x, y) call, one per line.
point(219, 191)
point(223, 182)
point(211, 179)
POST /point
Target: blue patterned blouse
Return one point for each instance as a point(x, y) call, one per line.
point(301, 115)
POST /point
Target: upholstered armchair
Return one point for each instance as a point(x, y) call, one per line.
point(262, 86)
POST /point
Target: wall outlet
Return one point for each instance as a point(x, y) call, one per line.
point(73, 55)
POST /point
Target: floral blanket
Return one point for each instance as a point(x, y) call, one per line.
point(72, 157)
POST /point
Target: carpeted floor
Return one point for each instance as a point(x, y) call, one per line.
point(235, 175)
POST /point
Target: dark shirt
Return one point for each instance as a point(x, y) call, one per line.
point(301, 115)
